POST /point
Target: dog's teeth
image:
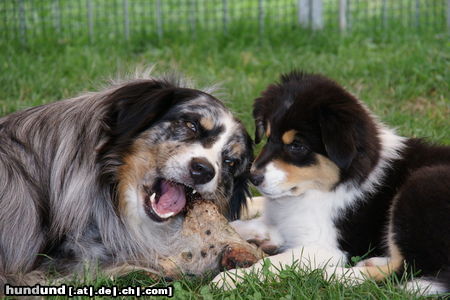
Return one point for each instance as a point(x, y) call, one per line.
point(166, 215)
point(152, 198)
point(194, 192)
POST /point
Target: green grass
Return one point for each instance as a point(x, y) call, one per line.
point(404, 78)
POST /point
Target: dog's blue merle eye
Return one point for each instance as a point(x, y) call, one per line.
point(230, 162)
point(191, 126)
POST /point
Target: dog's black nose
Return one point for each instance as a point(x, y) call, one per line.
point(201, 170)
point(256, 178)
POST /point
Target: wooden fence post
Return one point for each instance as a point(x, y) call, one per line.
point(316, 7)
point(56, 9)
point(159, 19)
point(22, 23)
point(90, 16)
point(126, 20)
point(448, 15)
point(343, 15)
point(261, 17)
point(225, 15)
point(303, 13)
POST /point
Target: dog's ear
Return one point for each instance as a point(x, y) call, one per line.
point(338, 136)
point(260, 119)
point(241, 190)
point(135, 106)
point(239, 196)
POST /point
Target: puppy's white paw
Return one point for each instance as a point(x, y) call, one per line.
point(374, 262)
point(346, 276)
point(229, 279)
point(251, 230)
point(257, 232)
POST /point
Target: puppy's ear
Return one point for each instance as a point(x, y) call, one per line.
point(338, 136)
point(260, 119)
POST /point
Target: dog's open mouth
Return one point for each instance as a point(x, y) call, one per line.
point(167, 199)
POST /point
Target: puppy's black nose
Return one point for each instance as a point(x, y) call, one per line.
point(256, 178)
point(201, 170)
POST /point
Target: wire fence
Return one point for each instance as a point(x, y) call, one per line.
point(27, 20)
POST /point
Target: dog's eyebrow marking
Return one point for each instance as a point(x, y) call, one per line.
point(207, 123)
point(289, 136)
point(209, 137)
point(237, 148)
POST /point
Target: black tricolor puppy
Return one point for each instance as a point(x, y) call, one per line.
point(102, 180)
point(339, 184)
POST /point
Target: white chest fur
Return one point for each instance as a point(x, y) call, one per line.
point(305, 221)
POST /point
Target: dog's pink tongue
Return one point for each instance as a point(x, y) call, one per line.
point(172, 198)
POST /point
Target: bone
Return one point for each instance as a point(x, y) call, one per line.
point(210, 244)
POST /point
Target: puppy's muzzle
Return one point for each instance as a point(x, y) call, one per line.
point(256, 178)
point(201, 170)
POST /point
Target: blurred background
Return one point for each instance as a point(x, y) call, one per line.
point(95, 20)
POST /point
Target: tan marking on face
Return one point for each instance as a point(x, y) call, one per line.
point(237, 149)
point(134, 167)
point(207, 123)
point(289, 136)
point(268, 129)
point(141, 160)
point(322, 175)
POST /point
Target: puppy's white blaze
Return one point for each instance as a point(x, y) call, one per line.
point(273, 177)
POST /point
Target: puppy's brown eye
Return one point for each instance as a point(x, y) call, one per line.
point(297, 148)
point(191, 126)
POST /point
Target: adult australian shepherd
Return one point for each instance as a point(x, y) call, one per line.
point(339, 184)
point(103, 179)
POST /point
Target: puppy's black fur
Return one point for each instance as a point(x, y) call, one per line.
point(414, 187)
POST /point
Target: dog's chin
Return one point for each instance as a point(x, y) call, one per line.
point(167, 199)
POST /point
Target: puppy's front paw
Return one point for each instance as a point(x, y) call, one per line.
point(268, 246)
point(374, 262)
point(346, 276)
point(251, 230)
point(229, 279)
point(256, 232)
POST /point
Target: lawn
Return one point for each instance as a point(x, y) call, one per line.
point(403, 77)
